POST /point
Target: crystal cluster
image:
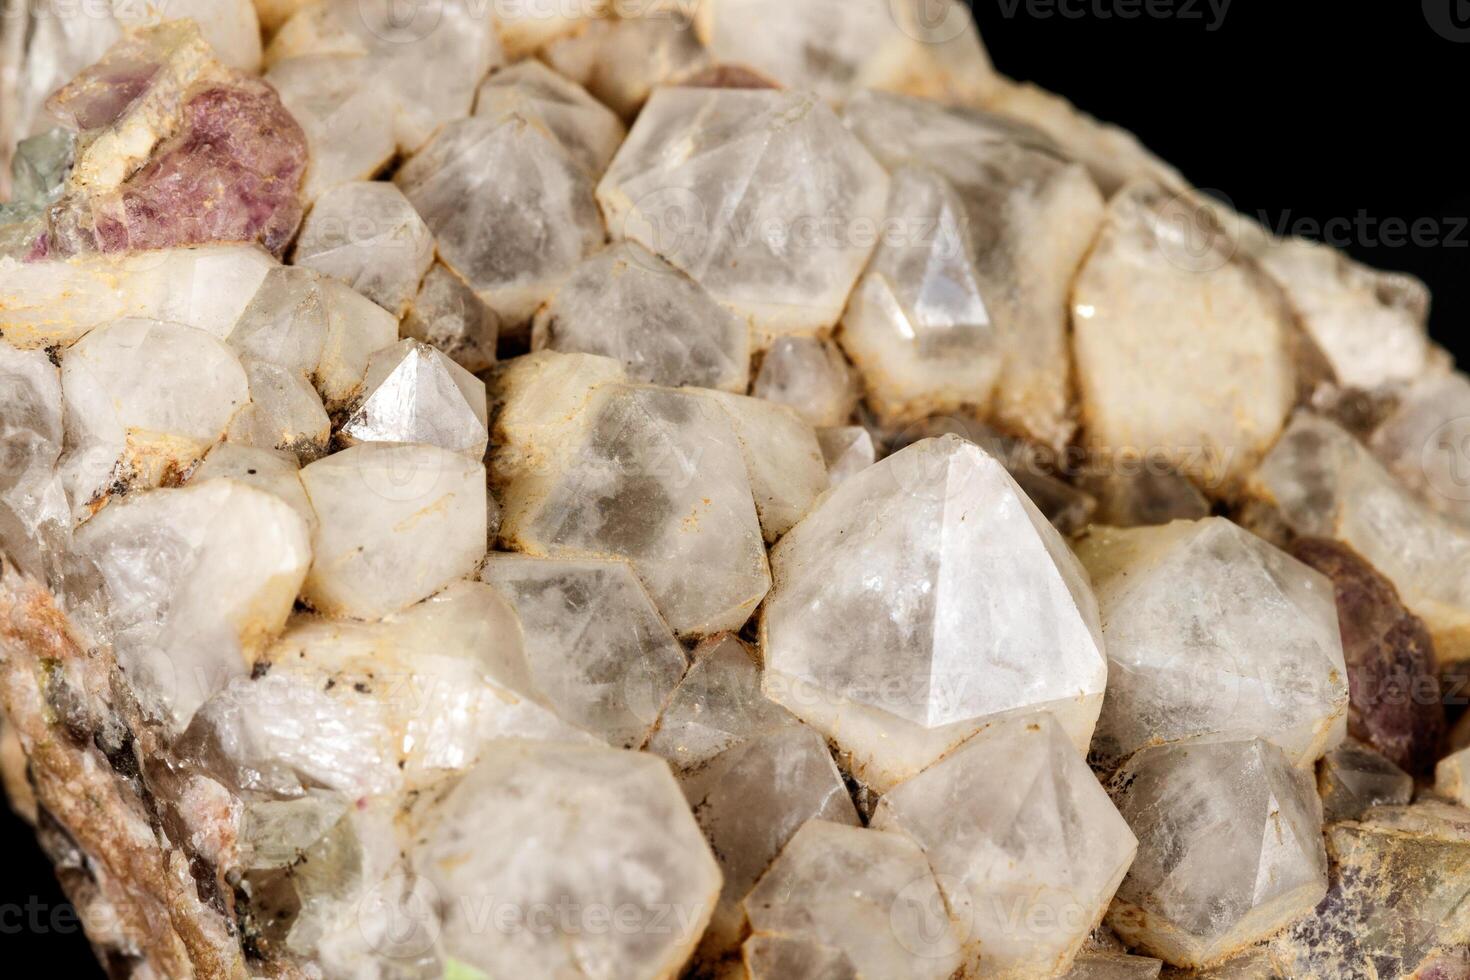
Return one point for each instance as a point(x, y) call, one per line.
point(731, 490)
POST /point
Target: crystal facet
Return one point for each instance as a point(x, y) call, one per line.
point(919, 601)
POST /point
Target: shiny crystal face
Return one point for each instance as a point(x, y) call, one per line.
point(733, 490)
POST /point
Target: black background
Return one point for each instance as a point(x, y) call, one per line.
point(1297, 112)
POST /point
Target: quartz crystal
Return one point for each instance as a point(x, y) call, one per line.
point(1422, 443)
point(395, 524)
point(1352, 779)
point(1210, 631)
point(145, 399)
point(596, 832)
point(835, 47)
point(750, 800)
point(447, 315)
point(1026, 845)
point(1229, 848)
point(717, 706)
point(1326, 484)
point(976, 205)
point(760, 196)
point(1183, 350)
point(866, 895)
point(424, 63)
point(848, 450)
point(597, 647)
point(368, 235)
point(337, 100)
point(34, 513)
point(511, 210)
point(1370, 325)
point(918, 602)
point(414, 394)
point(810, 377)
point(720, 489)
point(586, 129)
point(621, 61)
point(195, 580)
point(632, 306)
point(652, 475)
point(55, 303)
point(1114, 966)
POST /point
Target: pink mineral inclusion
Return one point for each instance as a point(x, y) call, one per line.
point(232, 173)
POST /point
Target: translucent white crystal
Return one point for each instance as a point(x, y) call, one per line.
point(273, 471)
point(196, 580)
point(284, 413)
point(867, 894)
point(749, 801)
point(922, 599)
point(1353, 779)
point(1182, 352)
point(1210, 631)
point(285, 322)
point(600, 831)
point(55, 302)
point(275, 833)
point(1111, 154)
point(338, 102)
point(368, 235)
point(356, 329)
point(777, 957)
point(848, 451)
point(447, 314)
point(34, 514)
point(835, 47)
point(373, 708)
point(1452, 777)
point(717, 706)
point(525, 27)
point(1369, 324)
point(415, 394)
point(621, 61)
point(512, 212)
point(1113, 966)
point(810, 377)
point(144, 398)
point(782, 458)
point(1421, 442)
point(597, 647)
point(230, 26)
point(396, 524)
point(586, 128)
point(1326, 484)
point(630, 305)
point(652, 475)
point(985, 230)
point(760, 196)
point(425, 62)
point(1229, 848)
point(1025, 843)
point(918, 324)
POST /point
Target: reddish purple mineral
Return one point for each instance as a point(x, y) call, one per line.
point(1394, 694)
point(231, 174)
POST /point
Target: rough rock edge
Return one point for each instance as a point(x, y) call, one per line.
point(91, 761)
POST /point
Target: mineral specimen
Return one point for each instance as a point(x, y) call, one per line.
point(760, 196)
point(1026, 845)
point(1260, 658)
point(1229, 848)
point(703, 485)
point(918, 602)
